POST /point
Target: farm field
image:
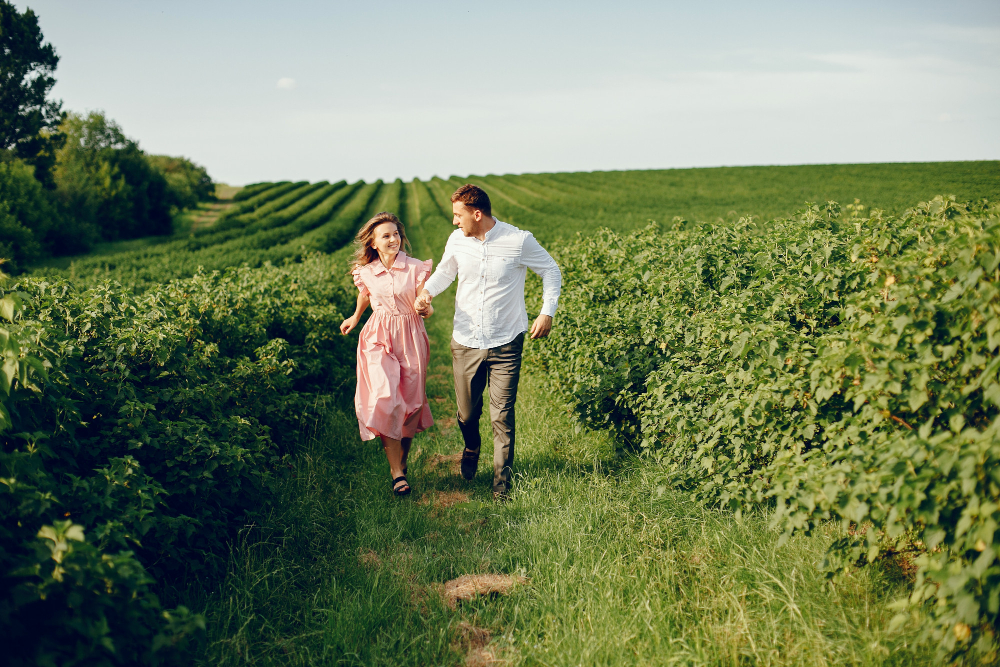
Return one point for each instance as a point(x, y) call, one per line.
point(626, 557)
point(284, 221)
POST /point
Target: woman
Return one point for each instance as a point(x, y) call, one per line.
point(393, 349)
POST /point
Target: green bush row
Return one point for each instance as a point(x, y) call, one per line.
point(253, 189)
point(261, 198)
point(835, 366)
point(139, 430)
point(339, 231)
point(278, 212)
point(314, 222)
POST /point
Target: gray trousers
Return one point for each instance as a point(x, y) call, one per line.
point(499, 368)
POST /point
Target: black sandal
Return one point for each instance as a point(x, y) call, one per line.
point(403, 491)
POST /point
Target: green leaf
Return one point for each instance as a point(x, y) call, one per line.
point(10, 306)
point(917, 398)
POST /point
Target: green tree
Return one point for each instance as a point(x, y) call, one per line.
point(28, 119)
point(30, 223)
point(187, 182)
point(105, 181)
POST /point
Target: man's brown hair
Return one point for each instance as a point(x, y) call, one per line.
point(473, 196)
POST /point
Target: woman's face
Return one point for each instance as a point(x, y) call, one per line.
point(387, 239)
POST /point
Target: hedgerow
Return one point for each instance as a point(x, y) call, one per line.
point(139, 430)
point(836, 365)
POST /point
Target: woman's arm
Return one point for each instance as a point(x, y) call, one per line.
point(364, 299)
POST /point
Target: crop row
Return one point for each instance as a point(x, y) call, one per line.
point(233, 218)
point(137, 431)
point(835, 366)
point(555, 206)
point(274, 228)
point(253, 189)
point(140, 426)
point(262, 197)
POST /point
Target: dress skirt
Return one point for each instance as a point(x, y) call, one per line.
point(393, 352)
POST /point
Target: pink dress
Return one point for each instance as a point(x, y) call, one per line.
point(393, 352)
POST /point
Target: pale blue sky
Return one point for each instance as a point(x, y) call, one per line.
point(387, 89)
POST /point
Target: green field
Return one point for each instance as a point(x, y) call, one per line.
point(284, 221)
point(311, 561)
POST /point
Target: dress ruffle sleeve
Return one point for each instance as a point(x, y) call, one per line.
point(356, 273)
point(424, 271)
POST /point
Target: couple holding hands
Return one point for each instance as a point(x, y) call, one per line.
point(489, 257)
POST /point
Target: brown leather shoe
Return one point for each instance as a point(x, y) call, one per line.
point(470, 463)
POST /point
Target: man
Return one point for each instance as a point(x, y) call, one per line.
point(490, 257)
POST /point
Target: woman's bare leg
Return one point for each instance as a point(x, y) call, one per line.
point(394, 454)
point(405, 444)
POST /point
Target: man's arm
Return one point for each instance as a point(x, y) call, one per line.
point(439, 281)
point(534, 256)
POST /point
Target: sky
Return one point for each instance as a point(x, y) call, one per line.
point(298, 90)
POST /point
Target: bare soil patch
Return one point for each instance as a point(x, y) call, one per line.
point(469, 586)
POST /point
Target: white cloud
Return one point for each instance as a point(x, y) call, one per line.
point(286, 83)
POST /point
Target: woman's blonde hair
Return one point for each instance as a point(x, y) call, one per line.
point(364, 248)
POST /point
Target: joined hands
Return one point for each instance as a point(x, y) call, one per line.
point(422, 304)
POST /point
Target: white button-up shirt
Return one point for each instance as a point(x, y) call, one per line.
point(489, 305)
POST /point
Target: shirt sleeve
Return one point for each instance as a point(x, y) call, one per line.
point(445, 273)
point(538, 260)
point(356, 273)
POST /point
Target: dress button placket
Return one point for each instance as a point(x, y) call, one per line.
point(392, 283)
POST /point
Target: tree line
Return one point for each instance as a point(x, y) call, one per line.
point(67, 180)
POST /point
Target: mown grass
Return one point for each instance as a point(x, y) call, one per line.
point(620, 572)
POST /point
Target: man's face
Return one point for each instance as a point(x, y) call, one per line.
point(469, 220)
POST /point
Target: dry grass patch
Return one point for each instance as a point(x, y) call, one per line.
point(401, 561)
point(225, 191)
point(206, 214)
point(451, 462)
point(444, 499)
point(472, 641)
point(369, 559)
point(469, 586)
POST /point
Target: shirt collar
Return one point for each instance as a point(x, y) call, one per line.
point(493, 232)
point(378, 268)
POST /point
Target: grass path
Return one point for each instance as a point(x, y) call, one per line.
point(618, 571)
